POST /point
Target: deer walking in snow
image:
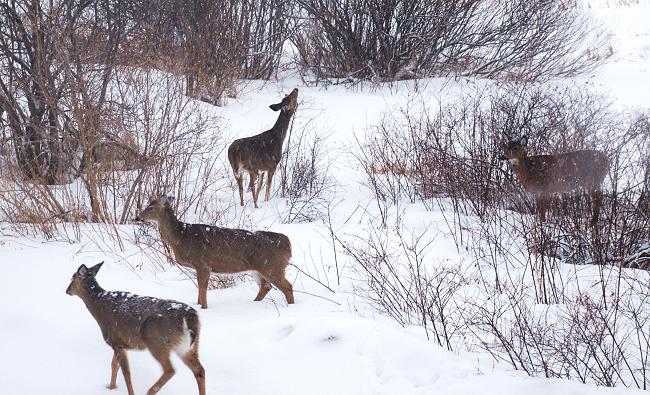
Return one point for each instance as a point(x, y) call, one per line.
point(261, 153)
point(208, 249)
point(543, 175)
point(130, 322)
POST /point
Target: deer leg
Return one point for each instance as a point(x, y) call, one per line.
point(597, 200)
point(251, 181)
point(285, 286)
point(115, 366)
point(191, 359)
point(126, 372)
point(265, 287)
point(253, 176)
point(203, 279)
point(542, 206)
point(189, 86)
point(162, 356)
point(260, 181)
point(269, 178)
point(240, 183)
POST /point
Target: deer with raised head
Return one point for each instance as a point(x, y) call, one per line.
point(208, 248)
point(544, 175)
point(261, 153)
point(132, 322)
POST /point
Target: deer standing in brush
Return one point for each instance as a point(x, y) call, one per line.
point(208, 249)
point(544, 175)
point(131, 322)
point(261, 153)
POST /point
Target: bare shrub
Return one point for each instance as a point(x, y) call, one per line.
point(40, 66)
point(583, 339)
point(43, 80)
point(453, 150)
point(388, 41)
point(553, 298)
point(176, 137)
point(621, 236)
point(535, 313)
point(305, 176)
point(212, 44)
point(401, 281)
point(171, 148)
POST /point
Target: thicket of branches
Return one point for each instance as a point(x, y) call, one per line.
point(450, 155)
point(391, 40)
point(153, 139)
point(213, 44)
point(105, 135)
point(525, 299)
point(304, 175)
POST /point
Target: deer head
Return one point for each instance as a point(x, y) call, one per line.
point(288, 104)
point(156, 209)
point(82, 279)
point(515, 150)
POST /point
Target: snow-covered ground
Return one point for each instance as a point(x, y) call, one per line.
point(51, 344)
point(328, 342)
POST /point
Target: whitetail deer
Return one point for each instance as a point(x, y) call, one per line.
point(208, 249)
point(118, 152)
point(130, 322)
point(261, 153)
point(544, 175)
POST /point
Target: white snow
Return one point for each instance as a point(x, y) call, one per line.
point(51, 344)
point(328, 342)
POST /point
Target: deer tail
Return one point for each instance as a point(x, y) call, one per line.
point(193, 325)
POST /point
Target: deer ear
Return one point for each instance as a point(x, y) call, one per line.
point(82, 271)
point(275, 107)
point(93, 270)
point(523, 140)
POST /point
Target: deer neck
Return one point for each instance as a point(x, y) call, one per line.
point(281, 125)
point(170, 228)
point(92, 293)
point(520, 167)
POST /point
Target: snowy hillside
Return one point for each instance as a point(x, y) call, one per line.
point(332, 340)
